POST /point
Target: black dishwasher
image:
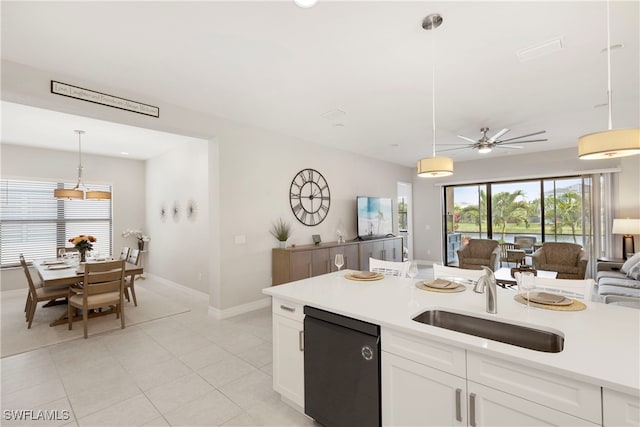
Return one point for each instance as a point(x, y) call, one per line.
point(341, 370)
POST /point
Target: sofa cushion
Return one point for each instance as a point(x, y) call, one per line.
point(623, 283)
point(630, 263)
point(610, 273)
point(619, 290)
point(634, 272)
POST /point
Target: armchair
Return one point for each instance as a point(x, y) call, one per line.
point(568, 259)
point(478, 253)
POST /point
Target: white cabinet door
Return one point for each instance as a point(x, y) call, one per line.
point(490, 407)
point(417, 395)
point(620, 409)
point(288, 359)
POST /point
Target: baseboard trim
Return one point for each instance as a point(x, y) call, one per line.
point(183, 288)
point(239, 309)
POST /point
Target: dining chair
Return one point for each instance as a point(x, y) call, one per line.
point(508, 253)
point(576, 288)
point(389, 268)
point(134, 258)
point(124, 253)
point(462, 273)
point(102, 286)
point(38, 293)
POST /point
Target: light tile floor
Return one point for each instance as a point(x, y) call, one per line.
point(183, 370)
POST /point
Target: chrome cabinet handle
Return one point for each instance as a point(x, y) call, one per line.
point(301, 340)
point(472, 410)
point(458, 405)
point(291, 309)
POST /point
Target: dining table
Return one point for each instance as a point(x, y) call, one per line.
point(60, 272)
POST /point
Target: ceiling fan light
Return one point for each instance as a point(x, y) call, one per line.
point(484, 150)
point(435, 167)
point(98, 195)
point(68, 194)
point(609, 144)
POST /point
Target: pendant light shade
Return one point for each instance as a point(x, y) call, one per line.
point(612, 142)
point(80, 192)
point(609, 144)
point(63, 193)
point(434, 167)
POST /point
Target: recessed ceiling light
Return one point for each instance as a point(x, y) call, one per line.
point(333, 115)
point(395, 145)
point(124, 153)
point(305, 4)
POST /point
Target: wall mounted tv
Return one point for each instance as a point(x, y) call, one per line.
point(375, 217)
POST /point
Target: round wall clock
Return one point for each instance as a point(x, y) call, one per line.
point(310, 197)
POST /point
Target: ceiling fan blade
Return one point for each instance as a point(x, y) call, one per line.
point(523, 136)
point(508, 146)
point(467, 139)
point(498, 135)
point(453, 149)
point(520, 142)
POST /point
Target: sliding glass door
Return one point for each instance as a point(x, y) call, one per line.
point(538, 210)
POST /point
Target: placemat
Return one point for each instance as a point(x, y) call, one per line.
point(574, 306)
point(354, 276)
point(58, 266)
point(459, 288)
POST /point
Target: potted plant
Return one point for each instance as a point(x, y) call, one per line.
point(281, 230)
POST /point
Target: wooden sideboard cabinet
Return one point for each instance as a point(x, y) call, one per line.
point(302, 262)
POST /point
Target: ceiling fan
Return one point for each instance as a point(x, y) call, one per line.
point(486, 144)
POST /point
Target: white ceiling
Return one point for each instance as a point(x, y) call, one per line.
point(280, 67)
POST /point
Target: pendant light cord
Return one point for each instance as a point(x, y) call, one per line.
point(433, 91)
point(609, 64)
point(78, 184)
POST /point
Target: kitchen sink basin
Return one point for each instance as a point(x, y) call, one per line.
point(521, 336)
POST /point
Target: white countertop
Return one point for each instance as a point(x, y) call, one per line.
point(601, 343)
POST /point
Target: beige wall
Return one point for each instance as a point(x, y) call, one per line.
point(249, 172)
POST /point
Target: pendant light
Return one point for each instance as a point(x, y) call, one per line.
point(612, 142)
point(78, 192)
point(434, 167)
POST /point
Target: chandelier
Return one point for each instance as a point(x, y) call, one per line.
point(80, 191)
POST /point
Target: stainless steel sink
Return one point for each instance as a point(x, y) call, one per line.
point(521, 336)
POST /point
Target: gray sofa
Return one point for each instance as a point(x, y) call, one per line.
point(616, 279)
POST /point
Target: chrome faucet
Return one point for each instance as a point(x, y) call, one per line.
point(488, 281)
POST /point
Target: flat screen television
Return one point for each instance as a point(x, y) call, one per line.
point(375, 217)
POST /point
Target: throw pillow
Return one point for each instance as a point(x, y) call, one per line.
point(630, 263)
point(634, 273)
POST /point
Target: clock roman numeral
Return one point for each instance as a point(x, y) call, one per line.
point(310, 175)
point(297, 208)
point(295, 196)
point(304, 216)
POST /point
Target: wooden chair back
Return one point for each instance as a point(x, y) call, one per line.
point(66, 249)
point(103, 277)
point(27, 273)
point(389, 268)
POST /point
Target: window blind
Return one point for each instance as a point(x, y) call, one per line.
point(34, 223)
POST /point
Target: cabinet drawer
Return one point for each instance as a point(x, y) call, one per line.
point(287, 309)
point(564, 394)
point(419, 349)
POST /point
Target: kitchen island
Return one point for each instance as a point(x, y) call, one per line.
point(600, 361)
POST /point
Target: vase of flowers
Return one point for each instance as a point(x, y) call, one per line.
point(83, 243)
point(138, 234)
